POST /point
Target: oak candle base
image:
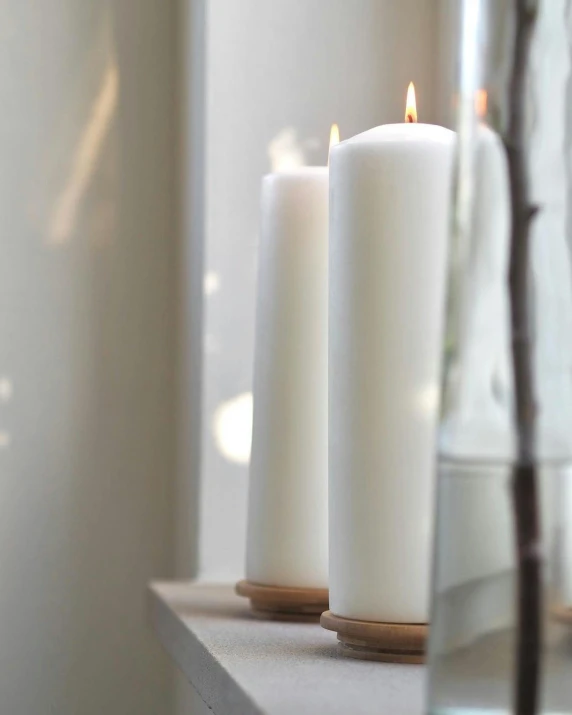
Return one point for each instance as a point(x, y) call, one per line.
point(385, 642)
point(281, 603)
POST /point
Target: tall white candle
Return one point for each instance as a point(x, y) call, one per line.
point(287, 517)
point(388, 215)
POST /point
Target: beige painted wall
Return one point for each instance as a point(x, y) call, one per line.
point(87, 352)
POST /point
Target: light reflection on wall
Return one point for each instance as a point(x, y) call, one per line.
point(211, 283)
point(85, 158)
point(427, 399)
point(285, 151)
point(6, 389)
point(6, 392)
point(232, 428)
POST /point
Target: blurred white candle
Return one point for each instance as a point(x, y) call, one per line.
point(477, 425)
point(389, 197)
point(288, 500)
point(567, 540)
point(476, 542)
point(478, 418)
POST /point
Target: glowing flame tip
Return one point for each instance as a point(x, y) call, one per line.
point(334, 135)
point(410, 105)
point(481, 99)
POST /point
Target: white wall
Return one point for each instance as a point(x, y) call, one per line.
point(87, 275)
point(447, 68)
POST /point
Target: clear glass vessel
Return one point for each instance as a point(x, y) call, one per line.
point(501, 623)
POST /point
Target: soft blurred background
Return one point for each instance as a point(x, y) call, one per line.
point(133, 135)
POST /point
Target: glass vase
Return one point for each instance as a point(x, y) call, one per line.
point(501, 622)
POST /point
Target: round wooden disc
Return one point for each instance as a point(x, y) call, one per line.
point(386, 642)
point(563, 614)
point(282, 603)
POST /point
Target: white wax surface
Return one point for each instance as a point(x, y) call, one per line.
point(287, 519)
point(389, 199)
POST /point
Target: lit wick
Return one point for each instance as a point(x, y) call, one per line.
point(410, 105)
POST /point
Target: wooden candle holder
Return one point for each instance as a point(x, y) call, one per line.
point(385, 642)
point(280, 603)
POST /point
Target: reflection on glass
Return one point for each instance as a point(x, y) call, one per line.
point(502, 588)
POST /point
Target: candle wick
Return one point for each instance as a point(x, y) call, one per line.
point(409, 119)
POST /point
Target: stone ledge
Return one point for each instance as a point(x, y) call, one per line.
point(243, 666)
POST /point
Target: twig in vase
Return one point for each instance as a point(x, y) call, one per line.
point(525, 476)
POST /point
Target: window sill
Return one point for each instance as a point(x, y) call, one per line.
point(245, 666)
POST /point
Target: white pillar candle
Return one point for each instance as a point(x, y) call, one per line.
point(389, 195)
point(287, 518)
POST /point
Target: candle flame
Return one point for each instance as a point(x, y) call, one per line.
point(334, 138)
point(410, 105)
point(481, 103)
point(334, 135)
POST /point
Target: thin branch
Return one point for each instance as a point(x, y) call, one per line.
point(525, 477)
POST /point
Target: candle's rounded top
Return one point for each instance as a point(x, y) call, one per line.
point(403, 132)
